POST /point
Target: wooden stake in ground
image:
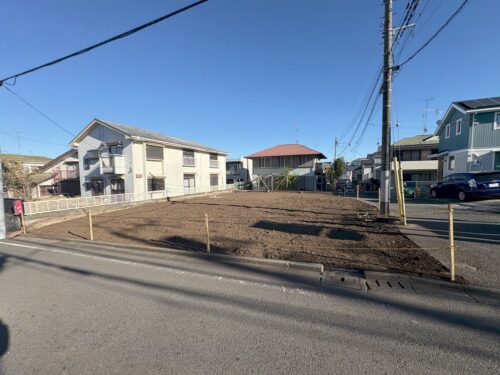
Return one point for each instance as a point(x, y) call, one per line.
point(379, 199)
point(208, 233)
point(452, 242)
point(91, 229)
point(23, 223)
point(357, 191)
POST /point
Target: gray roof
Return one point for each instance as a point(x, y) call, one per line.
point(417, 140)
point(154, 136)
point(479, 103)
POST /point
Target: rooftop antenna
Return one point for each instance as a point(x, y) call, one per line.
point(296, 134)
point(426, 111)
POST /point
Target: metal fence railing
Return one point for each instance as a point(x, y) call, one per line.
point(54, 205)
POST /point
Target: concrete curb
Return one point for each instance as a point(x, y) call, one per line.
point(278, 263)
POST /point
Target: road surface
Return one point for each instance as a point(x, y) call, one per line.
point(81, 309)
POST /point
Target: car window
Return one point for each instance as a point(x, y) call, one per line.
point(446, 179)
point(487, 176)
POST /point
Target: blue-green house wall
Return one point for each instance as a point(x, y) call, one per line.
point(455, 142)
point(481, 135)
point(485, 135)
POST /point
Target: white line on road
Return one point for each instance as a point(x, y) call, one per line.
point(278, 288)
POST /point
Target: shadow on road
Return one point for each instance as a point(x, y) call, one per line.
point(251, 305)
point(4, 330)
point(464, 231)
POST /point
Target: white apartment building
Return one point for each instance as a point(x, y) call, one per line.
point(119, 159)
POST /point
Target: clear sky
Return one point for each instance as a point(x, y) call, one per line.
point(240, 75)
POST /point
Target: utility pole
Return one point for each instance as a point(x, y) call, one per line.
point(3, 230)
point(385, 185)
point(335, 149)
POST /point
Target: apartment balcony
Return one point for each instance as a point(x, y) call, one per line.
point(65, 174)
point(112, 164)
point(188, 162)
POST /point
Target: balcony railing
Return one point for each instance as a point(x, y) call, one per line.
point(112, 164)
point(189, 162)
point(214, 163)
point(65, 174)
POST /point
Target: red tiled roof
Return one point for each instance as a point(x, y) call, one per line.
point(287, 150)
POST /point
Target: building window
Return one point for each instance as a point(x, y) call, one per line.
point(497, 161)
point(188, 158)
point(156, 184)
point(496, 118)
point(451, 163)
point(214, 161)
point(447, 131)
point(189, 184)
point(458, 127)
point(97, 186)
point(117, 186)
point(114, 149)
point(214, 179)
point(233, 168)
point(90, 158)
point(154, 152)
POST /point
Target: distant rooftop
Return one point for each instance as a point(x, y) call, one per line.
point(470, 105)
point(292, 149)
point(422, 139)
point(25, 158)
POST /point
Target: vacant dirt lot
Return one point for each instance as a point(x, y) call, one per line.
point(338, 232)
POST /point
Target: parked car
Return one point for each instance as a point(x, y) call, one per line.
point(410, 188)
point(467, 185)
point(347, 188)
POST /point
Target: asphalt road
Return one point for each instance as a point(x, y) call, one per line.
point(76, 309)
point(477, 237)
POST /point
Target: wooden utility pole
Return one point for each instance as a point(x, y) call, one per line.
point(386, 112)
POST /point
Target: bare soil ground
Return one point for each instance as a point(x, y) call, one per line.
point(338, 232)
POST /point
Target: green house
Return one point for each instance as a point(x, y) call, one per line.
point(469, 137)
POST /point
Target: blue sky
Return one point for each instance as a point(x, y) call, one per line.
point(238, 75)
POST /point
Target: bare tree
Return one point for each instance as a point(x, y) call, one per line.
point(17, 180)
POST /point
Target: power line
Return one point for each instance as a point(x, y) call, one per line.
point(460, 8)
point(109, 40)
point(409, 14)
point(33, 140)
point(39, 112)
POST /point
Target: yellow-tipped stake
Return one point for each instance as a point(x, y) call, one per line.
point(91, 229)
point(23, 223)
point(452, 242)
point(398, 188)
point(208, 233)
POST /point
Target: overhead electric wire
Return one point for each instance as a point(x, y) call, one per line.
point(32, 140)
point(460, 8)
point(409, 14)
point(39, 112)
point(106, 41)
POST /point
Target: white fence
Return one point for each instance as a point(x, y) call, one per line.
point(53, 205)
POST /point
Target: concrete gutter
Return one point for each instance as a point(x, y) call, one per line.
point(364, 281)
point(284, 264)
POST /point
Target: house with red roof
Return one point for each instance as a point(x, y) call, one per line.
point(296, 159)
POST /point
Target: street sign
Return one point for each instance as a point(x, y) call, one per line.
point(18, 207)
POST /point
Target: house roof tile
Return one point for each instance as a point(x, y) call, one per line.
point(292, 149)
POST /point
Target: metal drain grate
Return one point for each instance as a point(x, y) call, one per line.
point(374, 284)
